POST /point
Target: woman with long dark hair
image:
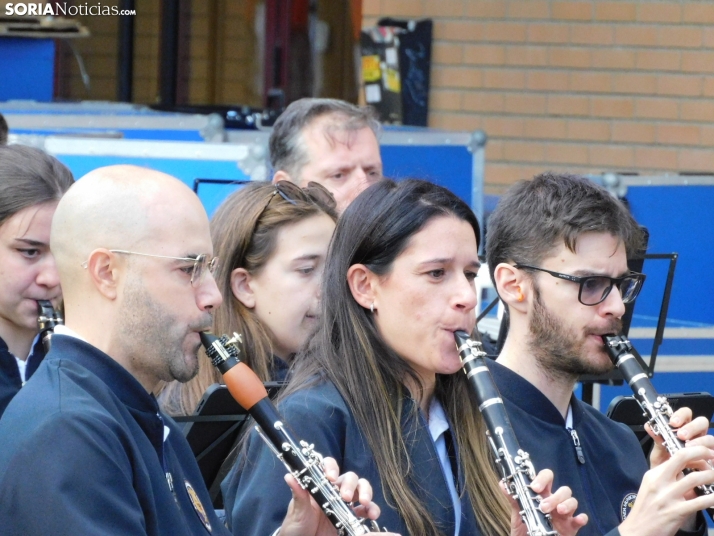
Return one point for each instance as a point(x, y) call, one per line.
point(378, 386)
point(31, 184)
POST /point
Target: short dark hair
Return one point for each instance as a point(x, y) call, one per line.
point(4, 129)
point(28, 177)
point(535, 217)
point(286, 150)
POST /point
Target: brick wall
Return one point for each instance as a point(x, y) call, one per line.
point(583, 86)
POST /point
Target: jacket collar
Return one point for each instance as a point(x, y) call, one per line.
point(119, 380)
point(528, 397)
point(8, 364)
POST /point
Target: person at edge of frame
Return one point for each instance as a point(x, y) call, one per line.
point(85, 437)
point(557, 252)
point(4, 130)
point(31, 184)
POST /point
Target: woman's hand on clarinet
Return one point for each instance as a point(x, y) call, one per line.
point(305, 518)
point(665, 501)
point(561, 506)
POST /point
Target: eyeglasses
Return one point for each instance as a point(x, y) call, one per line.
point(201, 263)
point(594, 289)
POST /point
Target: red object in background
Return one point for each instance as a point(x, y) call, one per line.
point(278, 20)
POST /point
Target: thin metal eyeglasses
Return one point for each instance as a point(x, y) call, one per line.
point(201, 263)
point(594, 289)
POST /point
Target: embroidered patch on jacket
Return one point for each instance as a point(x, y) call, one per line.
point(197, 505)
point(627, 503)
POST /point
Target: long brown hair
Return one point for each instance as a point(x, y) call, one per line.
point(244, 232)
point(347, 350)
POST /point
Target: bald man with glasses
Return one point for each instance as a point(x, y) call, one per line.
point(84, 448)
point(557, 251)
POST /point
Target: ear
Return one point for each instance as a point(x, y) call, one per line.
point(104, 271)
point(512, 286)
point(240, 286)
point(281, 175)
point(362, 282)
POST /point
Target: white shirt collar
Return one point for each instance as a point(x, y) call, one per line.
point(61, 329)
point(569, 417)
point(438, 424)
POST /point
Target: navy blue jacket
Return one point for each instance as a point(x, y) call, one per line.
point(279, 370)
point(607, 480)
point(319, 415)
point(10, 381)
point(83, 451)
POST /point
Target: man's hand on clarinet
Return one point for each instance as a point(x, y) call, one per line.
point(305, 518)
point(692, 432)
point(666, 501)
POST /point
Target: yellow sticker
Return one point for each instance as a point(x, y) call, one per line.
point(391, 80)
point(371, 72)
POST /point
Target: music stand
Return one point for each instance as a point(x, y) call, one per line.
point(213, 432)
point(198, 182)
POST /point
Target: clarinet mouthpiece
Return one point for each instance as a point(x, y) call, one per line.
point(207, 339)
point(462, 339)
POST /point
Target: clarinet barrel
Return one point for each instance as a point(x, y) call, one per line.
point(513, 462)
point(299, 457)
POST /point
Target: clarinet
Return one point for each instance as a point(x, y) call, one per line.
point(300, 458)
point(47, 319)
point(514, 463)
point(655, 407)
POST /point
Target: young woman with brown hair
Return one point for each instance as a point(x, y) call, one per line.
point(272, 242)
point(31, 184)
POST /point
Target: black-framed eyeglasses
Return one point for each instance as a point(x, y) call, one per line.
point(594, 289)
point(201, 263)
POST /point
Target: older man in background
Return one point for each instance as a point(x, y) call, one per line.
point(328, 141)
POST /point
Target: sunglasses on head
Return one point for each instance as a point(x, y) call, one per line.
point(312, 193)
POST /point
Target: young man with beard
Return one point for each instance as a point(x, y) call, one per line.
point(85, 439)
point(546, 240)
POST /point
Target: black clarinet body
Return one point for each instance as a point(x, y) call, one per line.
point(514, 463)
point(655, 407)
point(47, 319)
point(300, 458)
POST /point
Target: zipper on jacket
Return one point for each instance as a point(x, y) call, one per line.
point(170, 481)
point(576, 443)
